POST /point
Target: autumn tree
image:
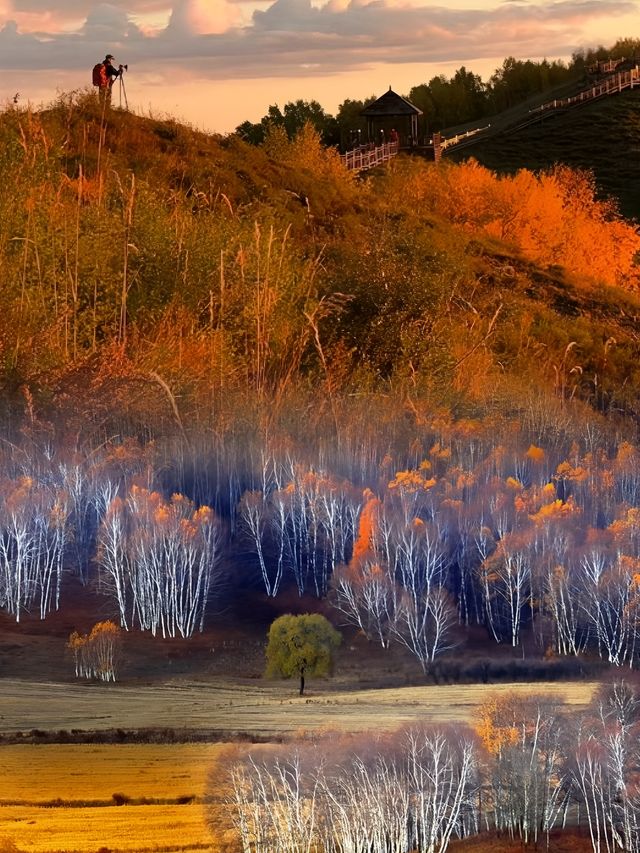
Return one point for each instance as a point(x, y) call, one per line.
point(604, 769)
point(98, 653)
point(300, 526)
point(301, 645)
point(527, 745)
point(413, 789)
point(34, 529)
point(159, 561)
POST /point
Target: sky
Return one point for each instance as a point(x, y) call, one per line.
point(216, 63)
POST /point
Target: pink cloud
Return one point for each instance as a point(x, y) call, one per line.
point(200, 17)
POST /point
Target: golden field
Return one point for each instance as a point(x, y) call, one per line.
point(33, 774)
point(82, 773)
point(133, 829)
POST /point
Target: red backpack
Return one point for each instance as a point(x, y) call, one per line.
point(99, 75)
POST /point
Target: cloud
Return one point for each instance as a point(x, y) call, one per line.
point(200, 17)
point(292, 15)
point(106, 23)
point(67, 8)
point(205, 38)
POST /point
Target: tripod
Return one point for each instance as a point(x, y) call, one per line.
point(122, 94)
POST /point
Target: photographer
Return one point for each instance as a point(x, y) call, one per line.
point(104, 76)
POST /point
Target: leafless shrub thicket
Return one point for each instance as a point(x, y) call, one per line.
point(528, 768)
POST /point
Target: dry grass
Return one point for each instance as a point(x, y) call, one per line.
point(265, 708)
point(117, 828)
point(88, 773)
point(78, 772)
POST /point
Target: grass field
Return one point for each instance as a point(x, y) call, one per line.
point(265, 708)
point(78, 775)
point(134, 829)
point(33, 774)
point(33, 777)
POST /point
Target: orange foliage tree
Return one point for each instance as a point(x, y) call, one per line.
point(553, 217)
point(159, 560)
point(97, 654)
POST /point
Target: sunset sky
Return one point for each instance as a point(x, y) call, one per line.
point(218, 62)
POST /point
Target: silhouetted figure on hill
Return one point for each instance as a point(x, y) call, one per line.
point(104, 76)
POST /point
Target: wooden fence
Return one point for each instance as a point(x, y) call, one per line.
point(616, 83)
point(605, 66)
point(447, 142)
point(369, 156)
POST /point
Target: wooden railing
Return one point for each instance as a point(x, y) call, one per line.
point(369, 156)
point(447, 142)
point(615, 83)
point(605, 66)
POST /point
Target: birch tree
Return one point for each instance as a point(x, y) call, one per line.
point(159, 560)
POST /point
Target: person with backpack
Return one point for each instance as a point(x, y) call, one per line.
point(104, 75)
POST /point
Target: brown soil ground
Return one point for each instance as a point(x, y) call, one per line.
point(232, 646)
point(568, 841)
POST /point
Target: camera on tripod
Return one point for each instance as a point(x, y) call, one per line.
point(122, 68)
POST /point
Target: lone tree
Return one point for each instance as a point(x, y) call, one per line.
point(301, 644)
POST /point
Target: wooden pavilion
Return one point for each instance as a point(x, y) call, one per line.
point(388, 111)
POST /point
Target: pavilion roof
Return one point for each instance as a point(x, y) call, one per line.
point(390, 104)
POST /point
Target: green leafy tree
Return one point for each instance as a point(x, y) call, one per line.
point(256, 133)
point(293, 118)
point(515, 80)
point(299, 113)
point(626, 48)
point(301, 645)
point(468, 95)
point(447, 102)
point(251, 132)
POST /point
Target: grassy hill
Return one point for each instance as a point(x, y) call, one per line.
point(145, 238)
point(601, 136)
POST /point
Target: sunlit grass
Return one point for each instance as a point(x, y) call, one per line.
point(74, 774)
point(85, 772)
point(85, 830)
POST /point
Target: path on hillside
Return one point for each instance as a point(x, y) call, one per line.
point(533, 111)
point(266, 708)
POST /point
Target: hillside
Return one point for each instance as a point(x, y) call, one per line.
point(600, 136)
point(126, 232)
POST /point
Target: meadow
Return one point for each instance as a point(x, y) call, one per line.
point(115, 828)
point(231, 709)
point(63, 797)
